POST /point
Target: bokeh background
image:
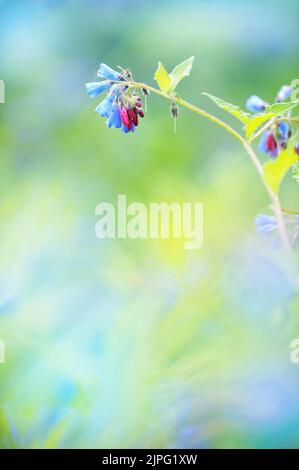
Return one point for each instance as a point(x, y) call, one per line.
point(125, 343)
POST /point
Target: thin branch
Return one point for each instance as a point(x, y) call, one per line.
point(247, 146)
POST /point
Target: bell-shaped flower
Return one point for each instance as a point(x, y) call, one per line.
point(255, 104)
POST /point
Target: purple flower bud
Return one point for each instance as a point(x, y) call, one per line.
point(124, 116)
point(284, 93)
point(268, 144)
point(256, 104)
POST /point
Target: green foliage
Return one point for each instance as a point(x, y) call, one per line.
point(274, 110)
point(281, 108)
point(168, 82)
point(256, 121)
point(180, 71)
point(230, 108)
point(162, 78)
point(296, 172)
point(275, 170)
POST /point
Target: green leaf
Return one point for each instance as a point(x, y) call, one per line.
point(256, 121)
point(275, 170)
point(281, 108)
point(296, 172)
point(162, 78)
point(180, 71)
point(230, 108)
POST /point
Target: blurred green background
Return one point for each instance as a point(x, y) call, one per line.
point(129, 343)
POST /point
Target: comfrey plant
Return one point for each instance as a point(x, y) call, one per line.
point(273, 124)
point(122, 105)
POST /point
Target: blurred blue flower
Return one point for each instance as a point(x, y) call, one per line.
point(284, 130)
point(255, 104)
point(122, 106)
point(95, 88)
point(126, 129)
point(265, 223)
point(268, 144)
point(275, 140)
point(284, 93)
point(114, 119)
point(105, 107)
point(107, 72)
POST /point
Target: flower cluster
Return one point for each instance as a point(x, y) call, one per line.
point(122, 105)
point(275, 139)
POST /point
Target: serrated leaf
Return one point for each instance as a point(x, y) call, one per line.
point(230, 108)
point(281, 108)
point(275, 170)
point(256, 121)
point(162, 78)
point(179, 72)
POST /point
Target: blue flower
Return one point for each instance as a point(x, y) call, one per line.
point(276, 139)
point(284, 93)
point(263, 141)
point(114, 119)
point(122, 106)
point(95, 88)
point(125, 129)
point(115, 90)
point(265, 223)
point(256, 104)
point(107, 72)
point(268, 144)
point(284, 131)
point(105, 107)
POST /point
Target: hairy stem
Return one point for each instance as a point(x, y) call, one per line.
point(290, 211)
point(246, 144)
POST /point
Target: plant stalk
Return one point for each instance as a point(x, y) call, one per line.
point(246, 144)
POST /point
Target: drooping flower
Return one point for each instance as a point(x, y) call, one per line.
point(124, 116)
point(107, 72)
point(95, 88)
point(284, 93)
point(105, 107)
point(114, 119)
point(129, 117)
point(283, 131)
point(268, 144)
point(122, 106)
point(265, 223)
point(255, 104)
point(276, 139)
